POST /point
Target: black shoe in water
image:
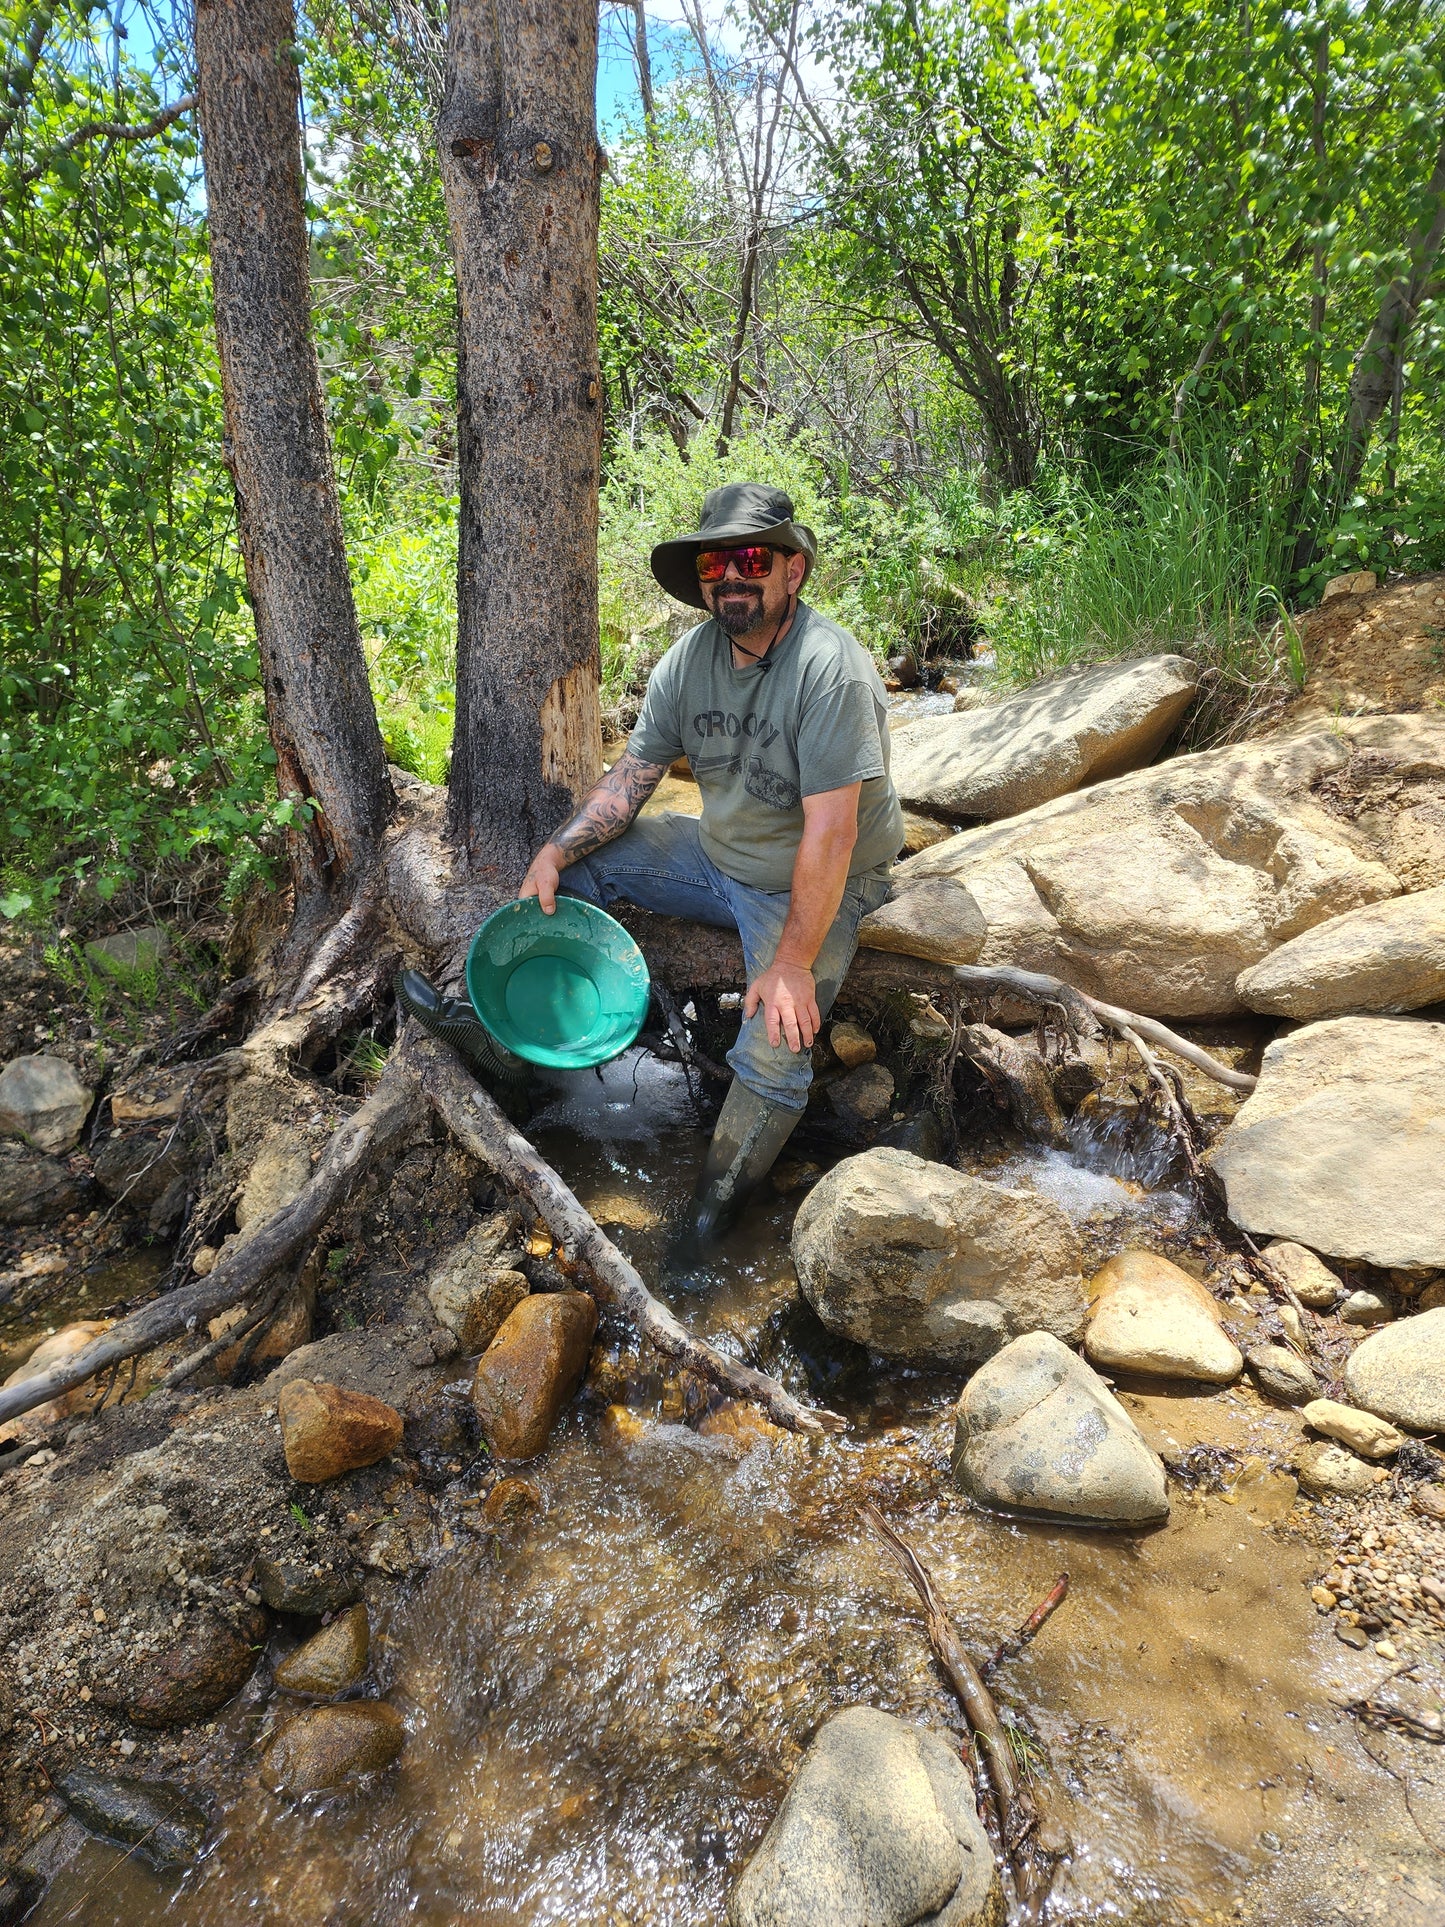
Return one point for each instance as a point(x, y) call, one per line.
point(746, 1140)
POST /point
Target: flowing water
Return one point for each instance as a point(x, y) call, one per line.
point(607, 1699)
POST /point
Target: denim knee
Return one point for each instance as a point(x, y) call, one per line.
point(774, 1073)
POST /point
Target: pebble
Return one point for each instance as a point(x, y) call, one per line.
point(1365, 1308)
point(1388, 1574)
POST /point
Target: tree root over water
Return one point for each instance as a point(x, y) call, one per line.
point(1006, 1806)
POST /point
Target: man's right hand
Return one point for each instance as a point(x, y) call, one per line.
point(542, 878)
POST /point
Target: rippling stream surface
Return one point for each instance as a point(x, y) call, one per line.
point(606, 1702)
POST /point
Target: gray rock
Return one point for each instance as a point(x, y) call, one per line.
point(1366, 1308)
point(921, 1262)
point(476, 1282)
point(1383, 956)
point(129, 952)
point(877, 1830)
point(137, 1170)
point(35, 1189)
point(43, 1101)
point(1398, 1372)
point(309, 1587)
point(1037, 1430)
point(1044, 742)
point(1342, 1143)
point(1282, 1374)
point(863, 1096)
point(160, 1820)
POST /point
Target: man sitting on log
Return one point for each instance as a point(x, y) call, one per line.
point(783, 717)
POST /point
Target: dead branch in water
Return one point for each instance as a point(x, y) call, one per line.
point(1085, 1013)
point(1004, 1799)
point(1011, 1647)
point(476, 1122)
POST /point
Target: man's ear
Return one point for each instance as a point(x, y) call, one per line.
point(797, 569)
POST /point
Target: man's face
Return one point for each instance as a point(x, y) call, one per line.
point(743, 606)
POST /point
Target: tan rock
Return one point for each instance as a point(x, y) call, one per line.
point(922, 832)
point(326, 1431)
point(288, 1327)
point(1042, 742)
point(328, 1744)
point(616, 1208)
point(1371, 1437)
point(1358, 582)
point(1383, 957)
point(531, 1369)
point(742, 1426)
point(54, 1350)
point(151, 1098)
point(1308, 1277)
point(510, 1500)
point(940, 921)
point(1329, 1470)
point(43, 1101)
point(330, 1660)
point(204, 1261)
point(851, 1044)
point(620, 1428)
point(279, 1172)
point(1342, 1144)
point(476, 1283)
point(1146, 1315)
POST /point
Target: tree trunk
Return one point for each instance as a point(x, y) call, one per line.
point(520, 167)
point(318, 701)
point(644, 74)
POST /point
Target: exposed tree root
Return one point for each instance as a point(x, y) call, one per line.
point(1016, 1075)
point(1005, 1804)
point(474, 1119)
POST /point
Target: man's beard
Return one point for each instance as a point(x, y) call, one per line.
point(740, 611)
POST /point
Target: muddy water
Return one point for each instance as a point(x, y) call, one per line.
point(606, 1703)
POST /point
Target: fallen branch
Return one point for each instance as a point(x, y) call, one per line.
point(390, 1110)
point(479, 1126)
point(1017, 1076)
point(1011, 1647)
point(1084, 1011)
point(1027, 1870)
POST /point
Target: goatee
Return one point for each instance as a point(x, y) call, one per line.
point(737, 614)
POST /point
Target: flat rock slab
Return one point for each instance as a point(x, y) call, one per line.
point(1044, 742)
point(1146, 1315)
point(1342, 1145)
point(1383, 957)
point(1037, 1430)
point(129, 952)
point(160, 1820)
point(1398, 1372)
point(922, 1262)
point(43, 1101)
point(878, 1829)
point(1156, 890)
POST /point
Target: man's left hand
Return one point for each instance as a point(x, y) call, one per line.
point(789, 1001)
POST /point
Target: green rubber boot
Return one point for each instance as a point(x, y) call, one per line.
point(746, 1140)
point(457, 1024)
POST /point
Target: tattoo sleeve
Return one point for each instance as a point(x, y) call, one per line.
point(609, 806)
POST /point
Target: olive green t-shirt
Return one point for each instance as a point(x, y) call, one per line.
point(761, 739)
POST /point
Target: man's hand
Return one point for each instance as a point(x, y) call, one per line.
point(789, 1000)
point(542, 878)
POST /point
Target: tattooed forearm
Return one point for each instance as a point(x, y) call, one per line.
point(608, 807)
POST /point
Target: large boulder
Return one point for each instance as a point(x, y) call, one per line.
point(921, 1262)
point(1044, 742)
point(1342, 1144)
point(43, 1101)
point(530, 1370)
point(1146, 1315)
point(1398, 1373)
point(1156, 890)
point(878, 1829)
point(1386, 956)
point(35, 1189)
point(1037, 1430)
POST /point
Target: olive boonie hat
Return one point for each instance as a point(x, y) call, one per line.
point(737, 513)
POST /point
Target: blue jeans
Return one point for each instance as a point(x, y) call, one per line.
point(659, 864)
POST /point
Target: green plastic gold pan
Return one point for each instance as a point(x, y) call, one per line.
point(566, 991)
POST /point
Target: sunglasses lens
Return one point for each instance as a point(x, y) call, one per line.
point(751, 564)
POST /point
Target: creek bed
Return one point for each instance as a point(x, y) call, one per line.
point(606, 1700)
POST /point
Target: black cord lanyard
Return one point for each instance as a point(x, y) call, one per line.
point(763, 658)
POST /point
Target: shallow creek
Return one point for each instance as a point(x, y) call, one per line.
point(607, 1701)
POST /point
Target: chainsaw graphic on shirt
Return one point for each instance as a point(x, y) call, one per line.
point(760, 780)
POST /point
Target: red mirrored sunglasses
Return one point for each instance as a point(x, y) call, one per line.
point(751, 564)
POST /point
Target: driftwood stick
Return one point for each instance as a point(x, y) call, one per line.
point(476, 1122)
point(1011, 1647)
point(1030, 1871)
point(1034, 987)
point(390, 1110)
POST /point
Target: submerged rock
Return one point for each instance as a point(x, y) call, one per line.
point(922, 1262)
point(160, 1820)
point(1282, 1374)
point(1308, 1277)
point(741, 1426)
point(330, 1660)
point(1037, 1430)
point(1342, 1144)
point(1398, 1372)
point(878, 1829)
point(328, 1744)
point(531, 1369)
point(1363, 1432)
point(1146, 1315)
point(1040, 744)
point(43, 1101)
point(1382, 957)
point(326, 1431)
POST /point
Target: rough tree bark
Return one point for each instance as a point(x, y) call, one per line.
point(520, 166)
point(318, 701)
